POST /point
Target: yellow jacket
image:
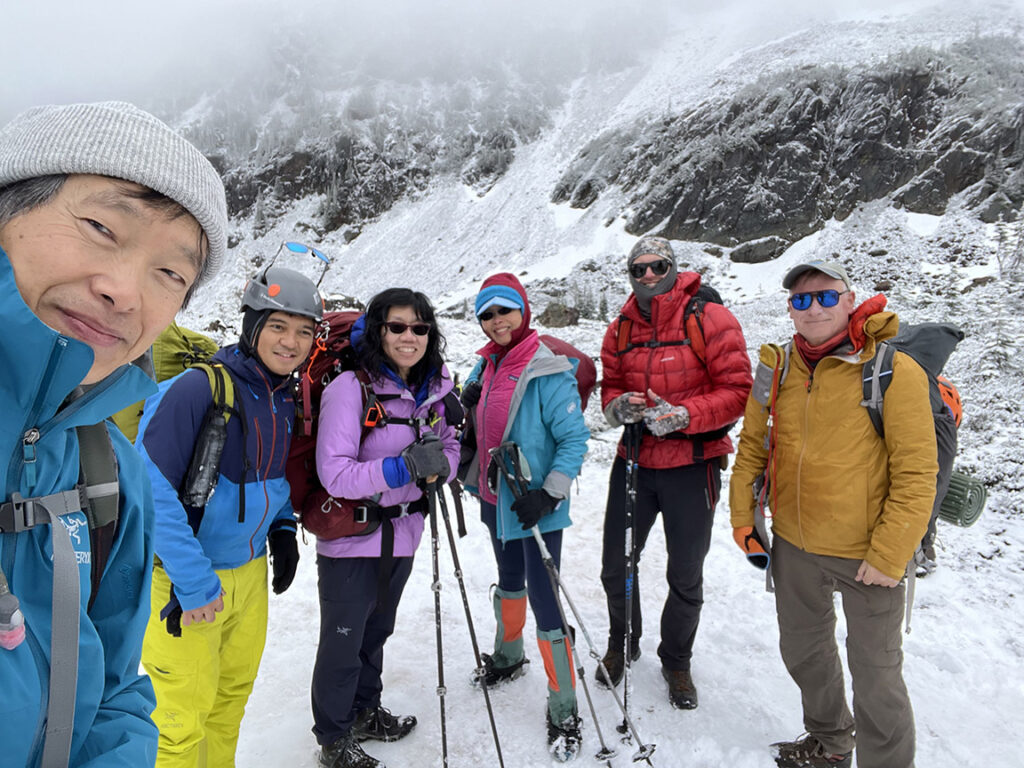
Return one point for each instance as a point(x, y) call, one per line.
point(840, 489)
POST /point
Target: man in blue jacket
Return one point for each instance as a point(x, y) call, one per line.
point(108, 222)
point(208, 619)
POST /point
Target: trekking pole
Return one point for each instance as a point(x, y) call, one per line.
point(436, 587)
point(503, 455)
point(632, 435)
point(439, 494)
point(520, 486)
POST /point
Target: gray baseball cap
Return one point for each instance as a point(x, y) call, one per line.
point(833, 269)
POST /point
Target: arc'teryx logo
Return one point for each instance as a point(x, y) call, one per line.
point(74, 525)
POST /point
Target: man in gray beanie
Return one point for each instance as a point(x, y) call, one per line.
point(676, 373)
point(109, 220)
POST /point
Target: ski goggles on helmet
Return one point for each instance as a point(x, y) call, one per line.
point(827, 299)
point(486, 315)
point(419, 329)
point(659, 268)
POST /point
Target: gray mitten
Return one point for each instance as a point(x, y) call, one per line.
point(426, 457)
point(663, 418)
point(621, 411)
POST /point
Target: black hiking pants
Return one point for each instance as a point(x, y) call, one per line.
point(686, 498)
point(350, 657)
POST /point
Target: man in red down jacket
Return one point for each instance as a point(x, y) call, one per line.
point(685, 390)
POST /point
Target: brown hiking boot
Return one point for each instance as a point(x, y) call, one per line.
point(615, 662)
point(807, 752)
point(681, 690)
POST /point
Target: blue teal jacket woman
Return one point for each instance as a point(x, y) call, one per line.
point(544, 421)
point(224, 537)
point(39, 369)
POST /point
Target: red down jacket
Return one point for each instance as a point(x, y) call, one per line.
point(714, 394)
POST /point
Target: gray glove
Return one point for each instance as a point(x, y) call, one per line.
point(426, 457)
point(621, 411)
point(663, 418)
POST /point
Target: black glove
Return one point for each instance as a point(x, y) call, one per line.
point(533, 506)
point(426, 457)
point(171, 613)
point(470, 395)
point(284, 557)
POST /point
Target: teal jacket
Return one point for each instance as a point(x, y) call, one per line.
point(39, 368)
point(546, 422)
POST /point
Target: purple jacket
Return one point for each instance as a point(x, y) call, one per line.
point(353, 470)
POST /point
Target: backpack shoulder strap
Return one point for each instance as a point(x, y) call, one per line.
point(98, 471)
point(622, 345)
point(876, 377)
point(221, 386)
point(693, 325)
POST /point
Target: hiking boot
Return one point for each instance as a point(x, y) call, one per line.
point(346, 753)
point(493, 675)
point(681, 690)
point(565, 739)
point(807, 752)
point(925, 568)
point(378, 724)
point(615, 662)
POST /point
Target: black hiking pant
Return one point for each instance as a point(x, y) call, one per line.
point(353, 630)
point(686, 498)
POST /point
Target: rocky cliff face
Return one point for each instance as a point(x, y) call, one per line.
point(370, 148)
point(772, 163)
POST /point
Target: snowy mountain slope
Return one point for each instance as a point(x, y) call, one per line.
point(967, 630)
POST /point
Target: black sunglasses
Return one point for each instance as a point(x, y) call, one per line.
point(420, 329)
point(659, 267)
point(483, 317)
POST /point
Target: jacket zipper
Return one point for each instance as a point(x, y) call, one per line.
point(25, 453)
point(800, 462)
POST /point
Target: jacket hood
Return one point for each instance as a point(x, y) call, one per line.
point(508, 280)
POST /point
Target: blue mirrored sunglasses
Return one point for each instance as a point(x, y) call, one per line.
point(827, 299)
point(300, 248)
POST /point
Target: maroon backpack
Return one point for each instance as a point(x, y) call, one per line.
point(586, 370)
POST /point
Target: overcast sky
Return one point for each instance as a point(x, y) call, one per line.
point(68, 51)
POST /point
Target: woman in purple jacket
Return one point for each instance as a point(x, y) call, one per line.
point(400, 352)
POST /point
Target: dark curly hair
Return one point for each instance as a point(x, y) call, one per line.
point(370, 349)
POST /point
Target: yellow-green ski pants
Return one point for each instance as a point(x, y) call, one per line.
point(203, 678)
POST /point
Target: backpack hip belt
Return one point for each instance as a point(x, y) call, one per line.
point(369, 511)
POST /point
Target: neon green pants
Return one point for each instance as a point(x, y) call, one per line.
point(203, 678)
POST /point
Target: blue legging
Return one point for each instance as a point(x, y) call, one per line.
point(520, 566)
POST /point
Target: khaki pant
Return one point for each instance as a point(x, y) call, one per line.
point(882, 715)
point(203, 678)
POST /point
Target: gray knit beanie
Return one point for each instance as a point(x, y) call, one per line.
point(117, 139)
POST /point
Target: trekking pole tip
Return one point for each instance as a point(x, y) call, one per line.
point(644, 754)
point(605, 754)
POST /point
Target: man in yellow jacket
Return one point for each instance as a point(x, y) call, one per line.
point(848, 508)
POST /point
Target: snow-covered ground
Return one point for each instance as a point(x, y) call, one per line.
point(964, 654)
point(961, 658)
